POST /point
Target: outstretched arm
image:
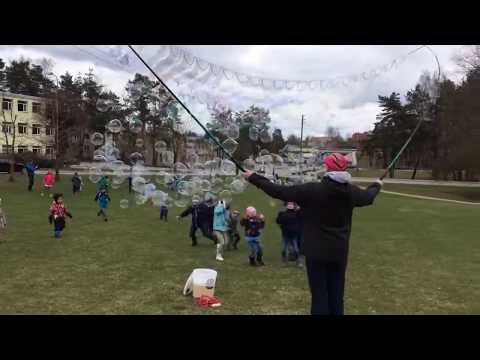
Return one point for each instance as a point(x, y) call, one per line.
point(296, 193)
point(365, 197)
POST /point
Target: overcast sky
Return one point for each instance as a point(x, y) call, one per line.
point(350, 109)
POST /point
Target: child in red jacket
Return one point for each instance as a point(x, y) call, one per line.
point(48, 182)
point(57, 214)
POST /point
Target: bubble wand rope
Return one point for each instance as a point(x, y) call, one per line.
point(187, 110)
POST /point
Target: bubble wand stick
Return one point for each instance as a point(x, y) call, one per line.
point(187, 110)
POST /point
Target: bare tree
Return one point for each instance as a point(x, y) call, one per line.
point(9, 129)
point(468, 58)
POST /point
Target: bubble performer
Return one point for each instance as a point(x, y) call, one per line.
point(327, 209)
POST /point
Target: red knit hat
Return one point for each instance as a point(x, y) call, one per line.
point(336, 162)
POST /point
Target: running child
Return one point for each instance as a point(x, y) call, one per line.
point(48, 182)
point(102, 199)
point(57, 215)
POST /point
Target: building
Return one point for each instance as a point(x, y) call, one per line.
point(26, 118)
point(319, 142)
point(292, 153)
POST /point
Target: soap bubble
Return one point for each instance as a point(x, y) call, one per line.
point(114, 126)
point(196, 198)
point(180, 169)
point(135, 157)
point(96, 139)
point(266, 159)
point(112, 153)
point(158, 197)
point(265, 136)
point(228, 167)
point(212, 164)
point(139, 143)
point(249, 164)
point(115, 164)
point(180, 201)
point(277, 159)
point(135, 125)
point(115, 185)
point(124, 203)
point(140, 199)
point(210, 197)
point(264, 152)
point(168, 179)
point(205, 185)
point(185, 188)
point(238, 186)
point(167, 157)
point(104, 105)
point(138, 184)
point(160, 146)
point(253, 133)
point(232, 131)
point(138, 169)
point(192, 158)
point(216, 185)
point(230, 145)
point(95, 174)
point(225, 195)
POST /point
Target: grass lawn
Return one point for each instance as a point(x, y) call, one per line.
point(407, 256)
point(399, 174)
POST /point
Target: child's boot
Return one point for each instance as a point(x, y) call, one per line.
point(259, 260)
point(219, 253)
point(252, 260)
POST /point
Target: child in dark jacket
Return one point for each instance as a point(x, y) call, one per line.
point(253, 224)
point(103, 199)
point(289, 222)
point(76, 183)
point(57, 214)
point(234, 235)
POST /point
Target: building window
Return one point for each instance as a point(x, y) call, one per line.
point(22, 106)
point(22, 128)
point(74, 139)
point(35, 130)
point(6, 149)
point(49, 151)
point(37, 150)
point(49, 131)
point(7, 128)
point(36, 108)
point(22, 149)
point(7, 104)
point(49, 111)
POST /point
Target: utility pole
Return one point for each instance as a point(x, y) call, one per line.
point(301, 148)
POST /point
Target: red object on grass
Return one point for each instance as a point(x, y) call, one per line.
point(208, 301)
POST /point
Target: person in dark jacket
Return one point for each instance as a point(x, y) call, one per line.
point(76, 183)
point(253, 225)
point(290, 224)
point(201, 219)
point(327, 209)
point(30, 169)
point(164, 212)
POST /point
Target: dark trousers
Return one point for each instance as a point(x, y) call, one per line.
point(327, 284)
point(30, 181)
point(206, 230)
point(164, 214)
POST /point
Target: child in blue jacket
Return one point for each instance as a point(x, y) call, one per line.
point(102, 199)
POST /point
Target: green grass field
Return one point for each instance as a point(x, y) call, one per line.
point(407, 256)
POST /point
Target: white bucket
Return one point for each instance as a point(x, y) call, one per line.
point(201, 282)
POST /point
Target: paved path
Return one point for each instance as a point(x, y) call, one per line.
point(430, 198)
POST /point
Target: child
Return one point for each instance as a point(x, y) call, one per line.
point(220, 227)
point(290, 224)
point(103, 199)
point(163, 212)
point(76, 183)
point(233, 229)
point(48, 182)
point(253, 224)
point(57, 214)
point(104, 183)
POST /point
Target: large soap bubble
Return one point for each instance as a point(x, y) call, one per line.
point(238, 186)
point(139, 143)
point(180, 169)
point(160, 146)
point(114, 126)
point(104, 105)
point(249, 164)
point(264, 152)
point(138, 184)
point(124, 203)
point(230, 145)
point(205, 185)
point(228, 167)
point(232, 131)
point(217, 185)
point(253, 133)
point(185, 188)
point(140, 199)
point(96, 139)
point(95, 174)
point(135, 125)
point(135, 158)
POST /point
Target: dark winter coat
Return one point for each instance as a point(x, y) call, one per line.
point(327, 209)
